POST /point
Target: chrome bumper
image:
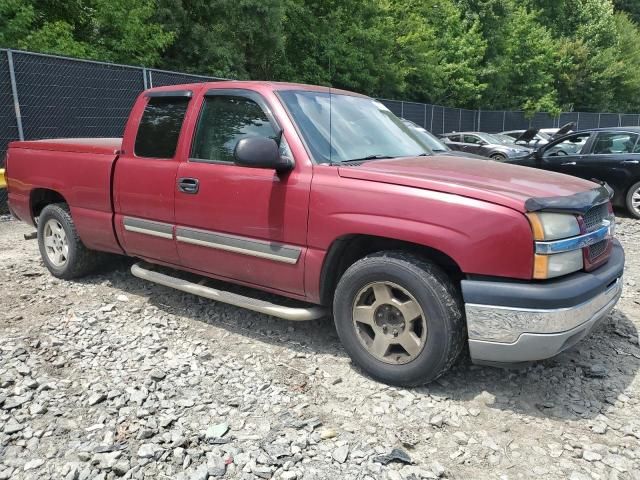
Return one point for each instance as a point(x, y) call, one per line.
point(511, 335)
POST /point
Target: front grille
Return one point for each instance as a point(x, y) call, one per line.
point(594, 217)
point(597, 249)
point(593, 220)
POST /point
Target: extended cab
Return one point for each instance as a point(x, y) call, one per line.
point(327, 198)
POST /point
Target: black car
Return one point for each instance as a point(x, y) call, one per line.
point(434, 144)
point(498, 147)
point(611, 155)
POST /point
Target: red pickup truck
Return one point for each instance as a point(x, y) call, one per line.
point(327, 198)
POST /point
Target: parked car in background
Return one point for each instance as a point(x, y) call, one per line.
point(610, 155)
point(434, 144)
point(485, 144)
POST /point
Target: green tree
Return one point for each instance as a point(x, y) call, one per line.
point(631, 7)
point(440, 52)
point(110, 30)
point(520, 59)
point(226, 38)
point(515, 54)
point(343, 43)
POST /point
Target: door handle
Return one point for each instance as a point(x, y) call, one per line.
point(569, 163)
point(188, 185)
point(631, 162)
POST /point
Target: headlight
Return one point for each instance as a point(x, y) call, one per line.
point(558, 264)
point(555, 226)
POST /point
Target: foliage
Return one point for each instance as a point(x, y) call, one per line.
point(111, 30)
point(632, 7)
point(225, 38)
point(517, 54)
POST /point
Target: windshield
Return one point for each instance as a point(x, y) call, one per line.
point(432, 142)
point(358, 127)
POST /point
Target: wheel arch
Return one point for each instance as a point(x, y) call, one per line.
point(348, 249)
point(41, 197)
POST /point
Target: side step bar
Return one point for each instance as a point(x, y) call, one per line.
point(261, 306)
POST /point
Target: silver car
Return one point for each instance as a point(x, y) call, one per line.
point(495, 147)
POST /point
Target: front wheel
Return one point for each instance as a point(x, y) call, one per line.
point(498, 157)
point(633, 200)
point(62, 251)
point(399, 318)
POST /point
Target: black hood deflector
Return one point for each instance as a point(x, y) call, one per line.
point(578, 203)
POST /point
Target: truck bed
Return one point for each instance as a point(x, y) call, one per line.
point(80, 170)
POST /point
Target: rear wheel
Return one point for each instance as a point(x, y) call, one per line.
point(498, 157)
point(633, 200)
point(399, 318)
point(62, 251)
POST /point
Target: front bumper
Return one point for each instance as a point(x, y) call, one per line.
point(514, 322)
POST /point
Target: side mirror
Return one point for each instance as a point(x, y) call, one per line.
point(260, 152)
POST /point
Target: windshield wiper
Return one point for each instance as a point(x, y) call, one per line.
point(368, 157)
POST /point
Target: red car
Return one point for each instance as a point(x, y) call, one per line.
point(325, 197)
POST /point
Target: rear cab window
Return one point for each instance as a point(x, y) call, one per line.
point(160, 125)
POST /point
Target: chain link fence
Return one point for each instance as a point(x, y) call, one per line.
point(49, 96)
point(440, 120)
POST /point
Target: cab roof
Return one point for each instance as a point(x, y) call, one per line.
point(254, 84)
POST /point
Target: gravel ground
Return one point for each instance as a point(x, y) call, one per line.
point(111, 377)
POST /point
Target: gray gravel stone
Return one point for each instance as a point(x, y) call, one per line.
point(14, 402)
point(171, 370)
point(12, 427)
point(33, 464)
point(149, 450)
point(96, 398)
point(340, 454)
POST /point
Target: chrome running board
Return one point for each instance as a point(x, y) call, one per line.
point(261, 306)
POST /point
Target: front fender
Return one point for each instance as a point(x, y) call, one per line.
point(480, 237)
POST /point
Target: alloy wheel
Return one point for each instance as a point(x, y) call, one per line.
point(635, 201)
point(55, 243)
point(389, 323)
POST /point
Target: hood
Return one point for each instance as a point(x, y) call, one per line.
point(500, 183)
point(564, 130)
point(453, 153)
point(528, 135)
point(513, 148)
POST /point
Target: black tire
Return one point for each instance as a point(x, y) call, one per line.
point(435, 293)
point(80, 260)
point(498, 157)
point(635, 189)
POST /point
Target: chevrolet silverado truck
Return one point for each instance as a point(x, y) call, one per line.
point(325, 197)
